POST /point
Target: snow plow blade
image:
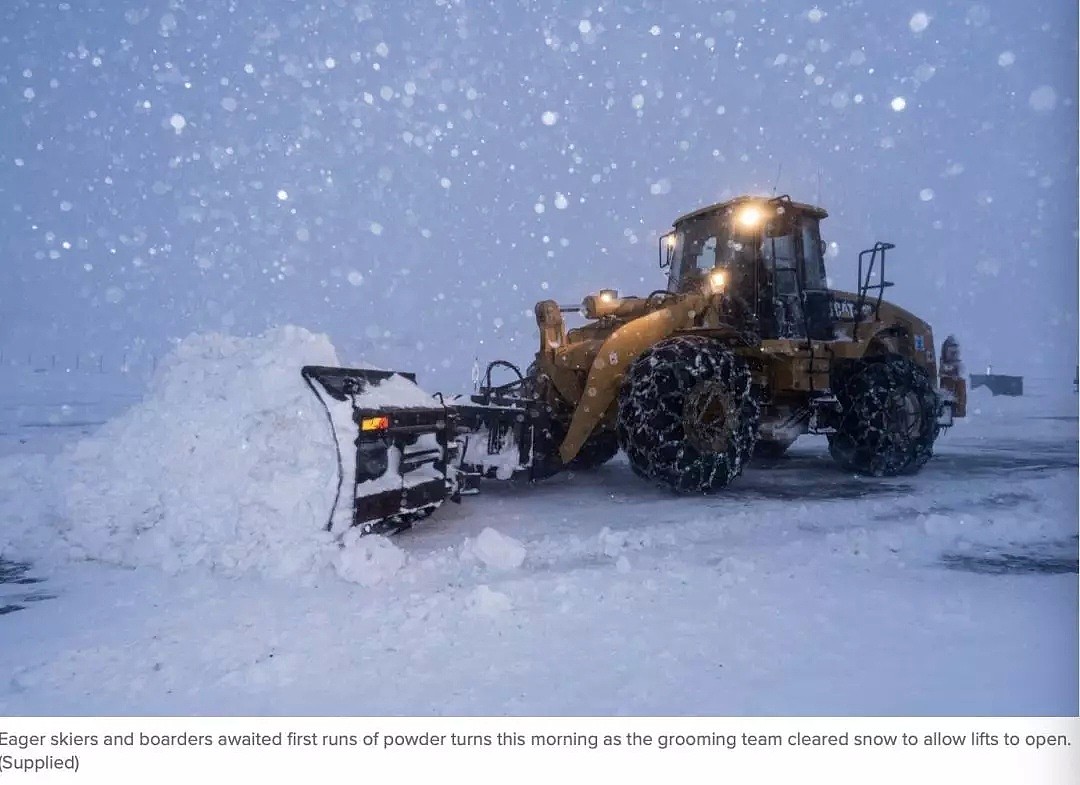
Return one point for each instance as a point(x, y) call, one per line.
point(340, 383)
point(403, 453)
point(396, 451)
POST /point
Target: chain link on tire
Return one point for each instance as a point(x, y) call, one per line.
point(687, 418)
point(890, 417)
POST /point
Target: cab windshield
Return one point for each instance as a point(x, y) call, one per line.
point(716, 240)
point(708, 242)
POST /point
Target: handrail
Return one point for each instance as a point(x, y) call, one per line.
point(865, 285)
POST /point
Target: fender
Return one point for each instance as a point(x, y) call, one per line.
point(614, 358)
point(896, 329)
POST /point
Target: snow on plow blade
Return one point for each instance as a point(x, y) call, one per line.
point(393, 440)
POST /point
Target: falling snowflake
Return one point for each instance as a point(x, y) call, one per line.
point(1043, 99)
point(660, 187)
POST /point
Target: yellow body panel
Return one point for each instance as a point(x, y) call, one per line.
point(610, 363)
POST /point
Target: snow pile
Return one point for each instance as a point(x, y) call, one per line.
point(495, 549)
point(367, 560)
point(227, 463)
point(23, 515)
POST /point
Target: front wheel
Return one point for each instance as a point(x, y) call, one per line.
point(772, 449)
point(599, 448)
point(687, 419)
point(889, 417)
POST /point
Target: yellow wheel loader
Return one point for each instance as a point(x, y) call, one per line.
point(745, 349)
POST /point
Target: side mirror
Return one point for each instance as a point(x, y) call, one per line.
point(822, 248)
point(666, 249)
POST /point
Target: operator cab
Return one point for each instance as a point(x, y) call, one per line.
point(765, 255)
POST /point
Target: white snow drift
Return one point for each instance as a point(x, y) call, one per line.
point(228, 463)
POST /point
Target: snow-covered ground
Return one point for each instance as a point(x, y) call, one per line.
point(801, 590)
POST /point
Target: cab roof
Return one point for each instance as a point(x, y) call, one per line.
point(809, 209)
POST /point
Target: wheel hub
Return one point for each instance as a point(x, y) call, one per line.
point(909, 415)
point(710, 418)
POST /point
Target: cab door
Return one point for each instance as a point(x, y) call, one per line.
point(783, 290)
point(816, 297)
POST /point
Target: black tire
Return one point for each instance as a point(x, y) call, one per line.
point(889, 417)
point(770, 449)
point(599, 448)
point(687, 419)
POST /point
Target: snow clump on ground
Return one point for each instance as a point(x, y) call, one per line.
point(367, 560)
point(495, 549)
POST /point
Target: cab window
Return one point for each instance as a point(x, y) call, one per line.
point(813, 263)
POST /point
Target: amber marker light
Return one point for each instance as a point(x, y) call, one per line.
point(375, 423)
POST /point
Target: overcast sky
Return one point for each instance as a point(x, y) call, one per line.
point(412, 176)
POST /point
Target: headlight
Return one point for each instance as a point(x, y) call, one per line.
point(717, 280)
point(750, 216)
point(603, 303)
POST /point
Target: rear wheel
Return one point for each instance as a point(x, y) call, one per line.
point(889, 417)
point(687, 419)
